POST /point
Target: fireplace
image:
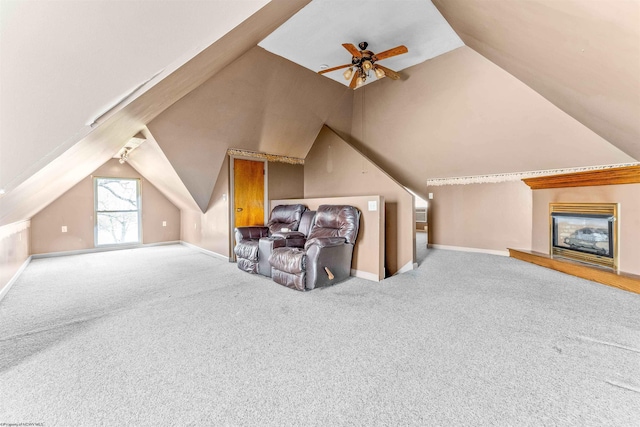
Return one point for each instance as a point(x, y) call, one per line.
point(585, 232)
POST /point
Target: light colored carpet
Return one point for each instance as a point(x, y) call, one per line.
point(168, 336)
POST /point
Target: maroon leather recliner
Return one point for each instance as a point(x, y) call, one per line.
point(247, 238)
point(326, 256)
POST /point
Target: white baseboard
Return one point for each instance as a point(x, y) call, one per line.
point(463, 249)
point(204, 251)
point(103, 249)
point(10, 283)
point(407, 267)
point(365, 275)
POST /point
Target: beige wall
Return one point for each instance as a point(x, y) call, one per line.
point(286, 181)
point(334, 168)
point(584, 56)
point(460, 115)
point(14, 250)
point(628, 196)
point(368, 253)
point(75, 210)
point(210, 230)
point(490, 217)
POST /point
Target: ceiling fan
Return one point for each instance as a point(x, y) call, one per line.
point(363, 61)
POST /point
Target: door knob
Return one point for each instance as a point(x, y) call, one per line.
point(239, 210)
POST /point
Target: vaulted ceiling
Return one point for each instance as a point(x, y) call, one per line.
point(539, 84)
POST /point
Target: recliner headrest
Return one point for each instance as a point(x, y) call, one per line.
point(285, 216)
point(336, 221)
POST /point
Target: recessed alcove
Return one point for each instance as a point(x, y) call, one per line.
point(617, 191)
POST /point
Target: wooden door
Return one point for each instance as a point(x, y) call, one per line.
point(248, 190)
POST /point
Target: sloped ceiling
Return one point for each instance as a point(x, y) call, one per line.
point(64, 63)
point(29, 190)
point(581, 58)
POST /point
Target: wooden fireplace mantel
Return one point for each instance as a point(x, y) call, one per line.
point(612, 176)
point(626, 281)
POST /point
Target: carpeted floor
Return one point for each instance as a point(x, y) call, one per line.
point(168, 336)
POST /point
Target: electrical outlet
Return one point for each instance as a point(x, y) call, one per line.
point(64, 228)
point(373, 205)
point(164, 223)
point(430, 196)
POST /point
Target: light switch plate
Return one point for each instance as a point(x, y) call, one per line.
point(64, 228)
point(373, 205)
point(430, 196)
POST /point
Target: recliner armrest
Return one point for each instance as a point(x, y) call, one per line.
point(288, 234)
point(254, 232)
point(293, 239)
point(325, 242)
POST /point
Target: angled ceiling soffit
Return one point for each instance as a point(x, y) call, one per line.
point(150, 161)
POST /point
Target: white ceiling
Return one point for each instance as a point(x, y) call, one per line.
point(314, 36)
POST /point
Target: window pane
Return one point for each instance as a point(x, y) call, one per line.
point(117, 227)
point(117, 194)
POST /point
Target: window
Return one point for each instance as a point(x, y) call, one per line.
point(117, 206)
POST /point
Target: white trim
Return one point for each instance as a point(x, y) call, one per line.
point(10, 283)
point(407, 267)
point(365, 275)
point(516, 176)
point(463, 249)
point(103, 249)
point(205, 251)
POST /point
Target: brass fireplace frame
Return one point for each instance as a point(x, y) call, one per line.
point(611, 209)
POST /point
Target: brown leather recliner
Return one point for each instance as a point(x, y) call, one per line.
point(247, 238)
point(281, 239)
point(326, 256)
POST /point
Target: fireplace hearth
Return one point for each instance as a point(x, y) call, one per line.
point(585, 232)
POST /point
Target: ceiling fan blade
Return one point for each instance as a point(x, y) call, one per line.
point(328, 70)
point(352, 50)
point(352, 85)
point(398, 50)
point(389, 72)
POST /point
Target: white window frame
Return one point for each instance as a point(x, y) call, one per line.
point(96, 211)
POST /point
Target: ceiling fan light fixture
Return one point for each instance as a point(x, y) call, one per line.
point(364, 61)
point(124, 156)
